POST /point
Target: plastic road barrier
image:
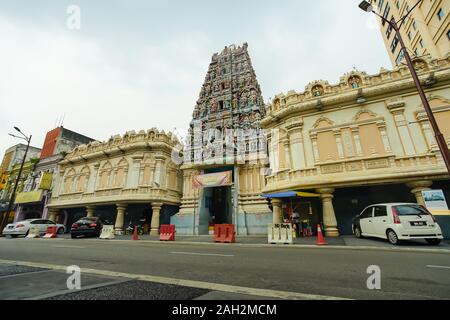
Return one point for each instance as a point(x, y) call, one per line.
point(51, 232)
point(33, 233)
point(167, 232)
point(107, 232)
point(224, 233)
point(280, 233)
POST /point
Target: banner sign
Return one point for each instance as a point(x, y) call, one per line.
point(219, 179)
point(46, 181)
point(29, 197)
point(434, 200)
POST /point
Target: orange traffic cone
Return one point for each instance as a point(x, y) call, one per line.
point(135, 234)
point(320, 239)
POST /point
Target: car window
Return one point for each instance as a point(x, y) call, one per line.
point(411, 210)
point(380, 211)
point(366, 213)
point(49, 222)
point(37, 222)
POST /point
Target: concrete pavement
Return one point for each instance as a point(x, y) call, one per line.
point(267, 272)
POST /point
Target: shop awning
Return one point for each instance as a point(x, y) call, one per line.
point(291, 194)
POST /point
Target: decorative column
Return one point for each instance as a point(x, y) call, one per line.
point(277, 211)
point(338, 138)
point(287, 150)
point(397, 109)
point(295, 131)
point(329, 217)
point(120, 218)
point(90, 211)
point(417, 187)
point(156, 207)
point(53, 214)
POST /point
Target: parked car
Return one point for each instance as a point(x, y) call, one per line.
point(87, 227)
point(22, 228)
point(398, 221)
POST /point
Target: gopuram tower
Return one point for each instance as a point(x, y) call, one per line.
point(225, 153)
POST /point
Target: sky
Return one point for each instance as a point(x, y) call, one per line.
point(139, 64)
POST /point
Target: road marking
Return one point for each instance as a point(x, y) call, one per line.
point(75, 247)
point(204, 254)
point(438, 267)
point(24, 274)
point(187, 283)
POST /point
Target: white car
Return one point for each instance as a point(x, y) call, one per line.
point(21, 228)
point(398, 221)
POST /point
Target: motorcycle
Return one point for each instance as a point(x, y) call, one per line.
point(130, 229)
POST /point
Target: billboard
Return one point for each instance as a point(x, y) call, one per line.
point(45, 182)
point(435, 200)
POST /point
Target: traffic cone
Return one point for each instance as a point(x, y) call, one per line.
point(135, 234)
point(320, 239)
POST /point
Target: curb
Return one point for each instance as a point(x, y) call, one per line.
point(262, 245)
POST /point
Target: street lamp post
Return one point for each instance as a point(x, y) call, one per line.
point(13, 194)
point(366, 6)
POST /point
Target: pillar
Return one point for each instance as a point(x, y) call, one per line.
point(90, 211)
point(277, 211)
point(53, 214)
point(120, 218)
point(156, 207)
point(417, 187)
point(329, 217)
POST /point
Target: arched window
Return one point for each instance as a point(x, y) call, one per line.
point(104, 175)
point(84, 178)
point(122, 170)
point(68, 181)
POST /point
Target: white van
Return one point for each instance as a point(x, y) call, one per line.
point(397, 221)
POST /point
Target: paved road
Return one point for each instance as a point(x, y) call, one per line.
point(227, 270)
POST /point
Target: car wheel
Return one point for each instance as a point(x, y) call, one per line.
point(73, 236)
point(433, 242)
point(358, 232)
point(14, 236)
point(60, 230)
point(392, 237)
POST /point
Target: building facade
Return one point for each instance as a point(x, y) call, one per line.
point(363, 141)
point(121, 180)
point(31, 202)
point(9, 169)
point(425, 32)
point(225, 153)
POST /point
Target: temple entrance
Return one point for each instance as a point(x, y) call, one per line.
point(216, 208)
point(221, 206)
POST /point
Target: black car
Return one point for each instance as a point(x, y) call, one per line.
point(87, 227)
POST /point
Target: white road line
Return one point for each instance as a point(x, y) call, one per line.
point(187, 283)
point(438, 267)
point(69, 247)
point(204, 254)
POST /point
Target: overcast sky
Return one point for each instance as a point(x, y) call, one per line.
point(138, 64)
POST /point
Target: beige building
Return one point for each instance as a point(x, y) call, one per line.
point(425, 32)
point(121, 180)
point(361, 141)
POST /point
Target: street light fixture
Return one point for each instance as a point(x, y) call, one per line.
point(13, 194)
point(367, 7)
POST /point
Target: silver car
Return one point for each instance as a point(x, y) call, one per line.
point(22, 228)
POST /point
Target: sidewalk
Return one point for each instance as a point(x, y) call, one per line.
point(343, 241)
